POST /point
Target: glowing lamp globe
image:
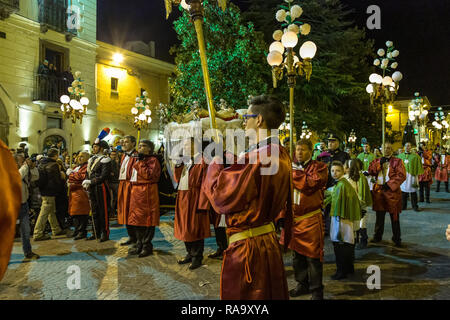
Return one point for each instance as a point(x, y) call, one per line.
point(73, 103)
point(149, 120)
point(375, 78)
point(387, 81)
point(397, 76)
point(369, 88)
point(185, 5)
point(276, 46)
point(142, 117)
point(275, 58)
point(84, 101)
point(134, 110)
point(308, 50)
point(148, 113)
point(289, 39)
point(65, 99)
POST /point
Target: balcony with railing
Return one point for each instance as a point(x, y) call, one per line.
point(49, 88)
point(8, 7)
point(53, 15)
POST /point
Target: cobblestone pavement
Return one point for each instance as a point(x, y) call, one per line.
point(419, 270)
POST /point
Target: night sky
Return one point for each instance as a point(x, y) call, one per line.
point(420, 29)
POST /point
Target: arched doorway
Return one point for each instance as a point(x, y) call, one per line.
point(52, 137)
point(52, 142)
point(4, 123)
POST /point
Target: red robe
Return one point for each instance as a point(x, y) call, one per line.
point(252, 268)
point(390, 200)
point(144, 198)
point(308, 234)
point(78, 197)
point(427, 176)
point(10, 202)
point(191, 207)
point(441, 173)
point(124, 191)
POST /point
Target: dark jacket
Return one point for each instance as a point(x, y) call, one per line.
point(54, 181)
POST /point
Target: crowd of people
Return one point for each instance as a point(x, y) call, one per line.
point(323, 192)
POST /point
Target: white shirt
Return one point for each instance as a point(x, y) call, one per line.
point(124, 167)
point(380, 176)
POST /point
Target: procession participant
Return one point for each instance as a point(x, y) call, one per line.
point(79, 206)
point(252, 195)
point(345, 216)
point(425, 179)
point(309, 178)
point(124, 191)
point(389, 173)
point(144, 198)
point(319, 149)
point(96, 182)
point(443, 166)
point(220, 233)
point(365, 195)
point(413, 166)
point(332, 154)
point(191, 223)
point(10, 203)
point(366, 157)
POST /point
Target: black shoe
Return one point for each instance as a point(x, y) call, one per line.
point(375, 240)
point(42, 238)
point(397, 244)
point(338, 276)
point(145, 253)
point(80, 236)
point(32, 256)
point(103, 238)
point(217, 254)
point(417, 209)
point(135, 251)
point(92, 237)
point(361, 245)
point(127, 243)
point(196, 263)
point(298, 291)
point(187, 259)
point(421, 200)
point(317, 294)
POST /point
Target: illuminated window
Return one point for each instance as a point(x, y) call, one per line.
point(114, 84)
point(54, 123)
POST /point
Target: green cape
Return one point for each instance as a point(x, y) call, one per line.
point(369, 156)
point(414, 165)
point(345, 201)
point(364, 190)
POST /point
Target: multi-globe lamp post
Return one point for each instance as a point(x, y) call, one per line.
point(417, 113)
point(142, 113)
point(352, 138)
point(383, 88)
point(74, 107)
point(282, 56)
point(306, 133)
point(440, 123)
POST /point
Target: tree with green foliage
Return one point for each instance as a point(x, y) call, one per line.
point(335, 98)
point(236, 59)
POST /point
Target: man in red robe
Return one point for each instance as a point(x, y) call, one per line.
point(425, 179)
point(443, 166)
point(10, 202)
point(252, 195)
point(389, 173)
point(144, 198)
point(79, 206)
point(124, 191)
point(191, 223)
point(310, 179)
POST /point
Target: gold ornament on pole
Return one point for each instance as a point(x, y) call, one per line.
point(142, 114)
point(195, 8)
point(282, 56)
point(382, 88)
point(74, 107)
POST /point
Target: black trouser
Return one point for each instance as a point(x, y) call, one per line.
point(144, 237)
point(379, 227)
point(114, 190)
point(424, 188)
point(327, 219)
point(195, 249)
point(80, 224)
point(221, 238)
point(345, 257)
point(62, 209)
point(438, 186)
point(308, 271)
point(131, 230)
point(405, 196)
point(100, 200)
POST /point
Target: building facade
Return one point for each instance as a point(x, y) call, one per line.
point(63, 33)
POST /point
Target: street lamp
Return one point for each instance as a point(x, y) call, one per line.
point(142, 113)
point(417, 113)
point(440, 122)
point(74, 107)
point(352, 138)
point(383, 88)
point(282, 56)
point(306, 133)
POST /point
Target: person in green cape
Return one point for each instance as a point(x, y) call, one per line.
point(318, 149)
point(366, 157)
point(345, 216)
point(413, 166)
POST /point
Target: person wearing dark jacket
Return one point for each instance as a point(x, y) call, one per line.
point(50, 182)
point(97, 184)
